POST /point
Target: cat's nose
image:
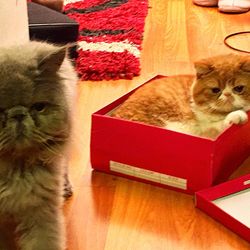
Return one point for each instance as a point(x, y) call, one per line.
point(227, 94)
point(18, 113)
point(19, 117)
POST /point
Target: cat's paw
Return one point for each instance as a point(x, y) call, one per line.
point(67, 190)
point(236, 117)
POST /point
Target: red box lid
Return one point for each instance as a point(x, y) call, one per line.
point(229, 203)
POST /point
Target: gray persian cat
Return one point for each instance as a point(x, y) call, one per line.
point(37, 88)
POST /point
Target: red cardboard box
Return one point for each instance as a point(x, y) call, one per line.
point(229, 203)
point(163, 157)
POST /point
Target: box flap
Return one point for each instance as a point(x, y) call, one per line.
point(229, 203)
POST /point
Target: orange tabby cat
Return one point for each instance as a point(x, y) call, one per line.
point(202, 105)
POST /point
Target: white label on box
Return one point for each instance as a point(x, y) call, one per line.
point(237, 205)
point(148, 175)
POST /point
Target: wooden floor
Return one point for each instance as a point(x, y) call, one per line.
point(112, 213)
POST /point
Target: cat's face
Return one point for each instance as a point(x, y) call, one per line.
point(222, 84)
point(33, 107)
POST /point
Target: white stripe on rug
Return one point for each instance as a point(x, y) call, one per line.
point(72, 1)
point(110, 47)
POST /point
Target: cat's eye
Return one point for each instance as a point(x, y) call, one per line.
point(215, 90)
point(238, 89)
point(39, 106)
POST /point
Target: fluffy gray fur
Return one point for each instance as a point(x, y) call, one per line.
point(37, 87)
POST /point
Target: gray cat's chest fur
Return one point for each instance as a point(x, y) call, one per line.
point(24, 185)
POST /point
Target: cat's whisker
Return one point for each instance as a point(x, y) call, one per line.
point(51, 149)
point(58, 137)
point(44, 141)
point(4, 141)
point(40, 138)
point(46, 136)
point(3, 136)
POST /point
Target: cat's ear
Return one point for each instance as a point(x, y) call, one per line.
point(202, 68)
point(245, 66)
point(52, 61)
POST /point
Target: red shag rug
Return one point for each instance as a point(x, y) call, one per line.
point(110, 37)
